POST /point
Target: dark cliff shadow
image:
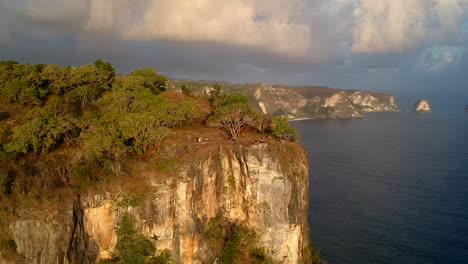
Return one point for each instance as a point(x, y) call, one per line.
point(81, 249)
point(4, 116)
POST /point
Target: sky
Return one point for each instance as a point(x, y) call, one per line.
point(405, 47)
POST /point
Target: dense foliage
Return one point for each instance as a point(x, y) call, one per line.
point(132, 247)
point(232, 113)
point(103, 116)
point(283, 130)
point(73, 108)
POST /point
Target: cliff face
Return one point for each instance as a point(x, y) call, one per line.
point(321, 102)
point(421, 106)
point(251, 185)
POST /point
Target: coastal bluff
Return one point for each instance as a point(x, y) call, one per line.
point(316, 102)
point(260, 191)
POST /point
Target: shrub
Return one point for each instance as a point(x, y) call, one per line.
point(5, 181)
point(234, 243)
point(131, 121)
point(232, 114)
point(42, 132)
point(224, 100)
point(22, 83)
point(27, 84)
point(134, 248)
point(146, 78)
point(315, 255)
point(283, 130)
point(186, 90)
point(216, 92)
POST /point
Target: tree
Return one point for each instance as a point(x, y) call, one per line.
point(147, 78)
point(223, 100)
point(264, 123)
point(132, 120)
point(215, 94)
point(22, 83)
point(283, 130)
point(186, 90)
point(233, 118)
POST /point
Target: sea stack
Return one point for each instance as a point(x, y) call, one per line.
point(421, 105)
point(466, 108)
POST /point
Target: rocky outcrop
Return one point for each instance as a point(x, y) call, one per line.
point(320, 102)
point(271, 99)
point(257, 186)
point(466, 108)
point(304, 101)
point(421, 105)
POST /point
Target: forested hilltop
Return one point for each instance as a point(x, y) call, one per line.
point(67, 132)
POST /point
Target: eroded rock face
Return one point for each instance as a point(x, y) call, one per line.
point(320, 102)
point(421, 105)
point(373, 102)
point(272, 99)
point(42, 236)
point(247, 185)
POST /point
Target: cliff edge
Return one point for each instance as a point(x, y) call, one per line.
point(259, 187)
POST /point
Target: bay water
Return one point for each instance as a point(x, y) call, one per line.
point(389, 188)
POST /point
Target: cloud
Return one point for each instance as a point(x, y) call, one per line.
point(292, 29)
point(402, 25)
point(437, 58)
point(215, 36)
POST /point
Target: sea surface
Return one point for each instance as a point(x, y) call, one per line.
point(389, 188)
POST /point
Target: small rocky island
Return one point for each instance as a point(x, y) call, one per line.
point(421, 105)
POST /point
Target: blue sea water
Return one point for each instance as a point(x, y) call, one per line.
point(389, 188)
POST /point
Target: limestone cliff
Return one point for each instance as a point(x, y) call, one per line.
point(305, 101)
point(263, 187)
point(421, 105)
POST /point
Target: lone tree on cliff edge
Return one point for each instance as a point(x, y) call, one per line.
point(232, 114)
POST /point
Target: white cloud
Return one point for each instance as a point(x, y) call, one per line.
point(262, 24)
point(401, 25)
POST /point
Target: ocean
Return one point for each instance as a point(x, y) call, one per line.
point(389, 188)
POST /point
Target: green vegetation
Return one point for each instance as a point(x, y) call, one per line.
point(234, 243)
point(186, 90)
point(232, 114)
point(282, 129)
point(132, 247)
point(315, 255)
point(105, 118)
point(317, 111)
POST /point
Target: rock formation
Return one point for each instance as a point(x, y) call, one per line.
point(421, 105)
point(307, 101)
point(256, 186)
point(466, 108)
